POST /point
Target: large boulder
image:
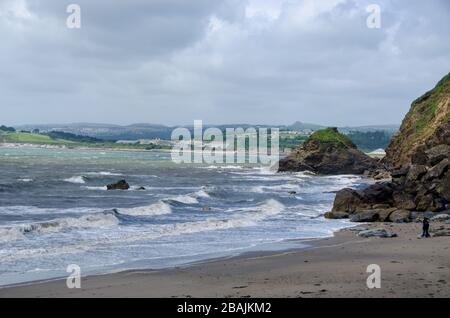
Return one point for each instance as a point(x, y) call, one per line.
point(120, 185)
point(365, 216)
point(336, 215)
point(400, 216)
point(327, 151)
point(438, 170)
point(349, 200)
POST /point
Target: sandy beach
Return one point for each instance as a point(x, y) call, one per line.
point(332, 267)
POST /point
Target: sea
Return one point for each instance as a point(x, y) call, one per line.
point(55, 211)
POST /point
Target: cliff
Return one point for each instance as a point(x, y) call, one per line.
point(419, 159)
point(426, 125)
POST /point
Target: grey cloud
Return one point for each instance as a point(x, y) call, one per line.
point(175, 61)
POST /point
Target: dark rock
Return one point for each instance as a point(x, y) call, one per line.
point(437, 154)
point(383, 214)
point(120, 185)
point(365, 216)
point(444, 188)
point(400, 216)
point(415, 173)
point(336, 215)
point(397, 173)
point(403, 200)
point(382, 175)
point(438, 170)
point(141, 188)
point(346, 200)
point(381, 206)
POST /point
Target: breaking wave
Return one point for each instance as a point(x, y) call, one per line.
point(158, 208)
point(95, 220)
point(76, 179)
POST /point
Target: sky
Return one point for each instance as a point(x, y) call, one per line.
point(220, 61)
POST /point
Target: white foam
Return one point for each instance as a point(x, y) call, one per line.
point(10, 234)
point(201, 194)
point(95, 220)
point(103, 173)
point(158, 208)
point(25, 180)
point(244, 218)
point(186, 199)
point(76, 179)
point(95, 188)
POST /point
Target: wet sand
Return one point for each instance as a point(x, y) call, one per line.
point(332, 267)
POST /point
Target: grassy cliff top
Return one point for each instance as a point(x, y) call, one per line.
point(427, 115)
point(424, 110)
point(332, 135)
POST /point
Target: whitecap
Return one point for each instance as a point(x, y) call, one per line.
point(76, 179)
point(95, 220)
point(25, 180)
point(186, 199)
point(104, 173)
point(158, 208)
point(103, 188)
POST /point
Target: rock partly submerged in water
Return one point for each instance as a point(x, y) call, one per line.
point(327, 151)
point(120, 185)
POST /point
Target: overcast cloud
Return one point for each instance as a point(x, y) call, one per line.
point(222, 61)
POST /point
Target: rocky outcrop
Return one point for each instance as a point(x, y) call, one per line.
point(120, 185)
point(328, 152)
point(426, 126)
point(419, 158)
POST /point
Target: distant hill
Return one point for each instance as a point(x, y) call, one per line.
point(138, 131)
point(299, 126)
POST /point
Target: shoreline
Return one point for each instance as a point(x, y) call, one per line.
point(330, 267)
point(260, 250)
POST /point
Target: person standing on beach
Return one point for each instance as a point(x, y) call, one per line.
point(425, 228)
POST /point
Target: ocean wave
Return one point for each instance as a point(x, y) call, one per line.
point(103, 173)
point(76, 179)
point(25, 180)
point(103, 188)
point(33, 210)
point(185, 199)
point(95, 220)
point(243, 218)
point(223, 167)
point(158, 208)
point(201, 194)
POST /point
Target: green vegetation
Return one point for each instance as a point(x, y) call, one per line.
point(291, 141)
point(29, 138)
point(332, 135)
point(424, 108)
point(369, 141)
point(71, 141)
